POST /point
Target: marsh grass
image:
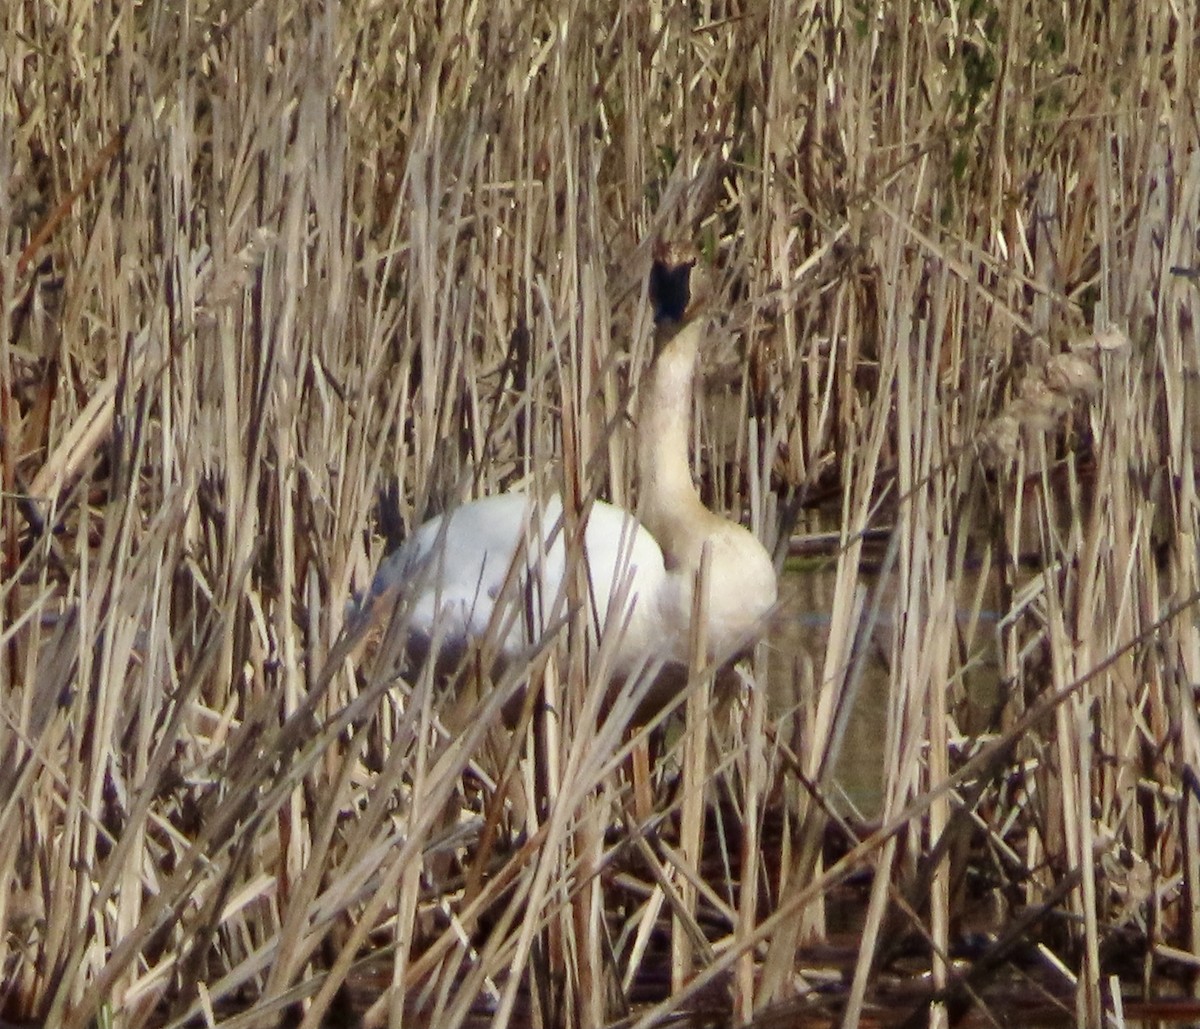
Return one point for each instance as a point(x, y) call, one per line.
point(261, 265)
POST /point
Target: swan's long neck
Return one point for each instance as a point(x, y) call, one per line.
point(669, 504)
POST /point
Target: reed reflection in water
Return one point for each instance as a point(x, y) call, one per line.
point(799, 642)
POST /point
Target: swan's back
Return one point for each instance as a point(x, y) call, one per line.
point(452, 577)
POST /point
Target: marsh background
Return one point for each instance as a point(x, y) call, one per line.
point(261, 262)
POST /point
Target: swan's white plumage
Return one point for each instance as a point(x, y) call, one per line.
point(454, 568)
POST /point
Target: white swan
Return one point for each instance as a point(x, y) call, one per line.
point(452, 573)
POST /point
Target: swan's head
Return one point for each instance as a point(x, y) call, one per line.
point(679, 285)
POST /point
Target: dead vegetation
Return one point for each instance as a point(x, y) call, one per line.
point(261, 262)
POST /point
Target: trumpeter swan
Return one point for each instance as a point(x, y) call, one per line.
point(451, 573)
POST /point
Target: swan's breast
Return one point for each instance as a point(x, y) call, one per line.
point(741, 588)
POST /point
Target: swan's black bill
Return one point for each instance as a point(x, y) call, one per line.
point(669, 292)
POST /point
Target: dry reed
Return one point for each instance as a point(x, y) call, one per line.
point(261, 264)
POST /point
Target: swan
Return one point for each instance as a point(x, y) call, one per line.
point(453, 575)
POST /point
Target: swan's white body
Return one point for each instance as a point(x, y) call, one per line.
point(451, 574)
point(499, 565)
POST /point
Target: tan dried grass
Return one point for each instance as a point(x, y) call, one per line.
point(259, 264)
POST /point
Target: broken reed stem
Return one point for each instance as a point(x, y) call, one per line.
point(755, 785)
point(695, 777)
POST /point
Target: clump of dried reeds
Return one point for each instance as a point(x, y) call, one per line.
point(260, 264)
point(1048, 393)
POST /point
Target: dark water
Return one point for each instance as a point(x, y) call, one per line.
point(799, 643)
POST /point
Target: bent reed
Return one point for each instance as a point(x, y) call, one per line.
point(261, 265)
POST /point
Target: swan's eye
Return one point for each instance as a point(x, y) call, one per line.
point(669, 290)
